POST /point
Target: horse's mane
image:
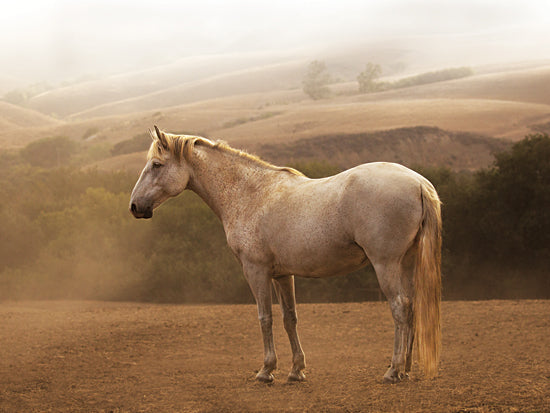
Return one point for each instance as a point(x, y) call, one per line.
point(182, 146)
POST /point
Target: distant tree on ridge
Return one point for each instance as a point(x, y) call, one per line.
point(367, 78)
point(316, 80)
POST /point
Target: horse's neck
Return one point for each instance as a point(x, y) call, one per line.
point(228, 183)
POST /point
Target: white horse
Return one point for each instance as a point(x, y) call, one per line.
point(280, 223)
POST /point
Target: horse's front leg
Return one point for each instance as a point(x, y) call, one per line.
point(259, 281)
point(284, 287)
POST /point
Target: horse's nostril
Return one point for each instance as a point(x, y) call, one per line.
point(133, 208)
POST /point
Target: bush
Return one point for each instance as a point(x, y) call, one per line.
point(367, 78)
point(68, 234)
point(22, 96)
point(138, 143)
point(90, 133)
point(49, 152)
point(432, 77)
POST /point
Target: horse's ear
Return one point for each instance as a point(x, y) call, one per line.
point(161, 137)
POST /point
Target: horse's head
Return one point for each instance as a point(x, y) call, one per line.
point(165, 175)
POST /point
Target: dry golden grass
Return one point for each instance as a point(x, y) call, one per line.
point(412, 146)
point(308, 119)
point(529, 85)
point(180, 83)
point(262, 79)
point(202, 118)
point(12, 116)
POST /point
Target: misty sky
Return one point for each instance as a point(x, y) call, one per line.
point(56, 40)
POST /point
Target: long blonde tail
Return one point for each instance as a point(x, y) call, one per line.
point(427, 282)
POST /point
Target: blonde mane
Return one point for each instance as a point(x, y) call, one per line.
point(182, 147)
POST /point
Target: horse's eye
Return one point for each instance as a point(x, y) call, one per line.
point(156, 165)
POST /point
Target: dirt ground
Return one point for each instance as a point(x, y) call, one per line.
point(128, 357)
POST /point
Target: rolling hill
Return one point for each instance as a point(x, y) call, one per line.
point(528, 85)
point(502, 119)
point(128, 89)
point(256, 80)
point(260, 108)
point(411, 146)
point(13, 117)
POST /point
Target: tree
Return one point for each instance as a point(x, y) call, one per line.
point(316, 80)
point(367, 78)
point(515, 194)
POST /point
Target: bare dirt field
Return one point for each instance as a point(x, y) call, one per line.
point(119, 357)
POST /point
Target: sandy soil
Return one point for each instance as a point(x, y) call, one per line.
point(118, 357)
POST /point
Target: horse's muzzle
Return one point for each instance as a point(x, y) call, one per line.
point(141, 212)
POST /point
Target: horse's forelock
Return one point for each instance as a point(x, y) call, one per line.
point(179, 146)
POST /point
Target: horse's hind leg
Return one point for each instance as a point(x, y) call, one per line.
point(397, 284)
point(284, 287)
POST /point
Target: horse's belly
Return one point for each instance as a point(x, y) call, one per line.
point(321, 262)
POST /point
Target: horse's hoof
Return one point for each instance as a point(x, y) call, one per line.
point(393, 376)
point(391, 379)
point(296, 376)
point(264, 377)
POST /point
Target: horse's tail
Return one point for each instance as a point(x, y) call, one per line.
point(427, 282)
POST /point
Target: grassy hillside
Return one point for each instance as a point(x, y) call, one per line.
point(169, 81)
point(197, 78)
point(12, 116)
point(421, 145)
point(346, 115)
point(411, 146)
point(262, 79)
point(506, 105)
point(521, 85)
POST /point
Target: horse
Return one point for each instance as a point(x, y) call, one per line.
point(280, 224)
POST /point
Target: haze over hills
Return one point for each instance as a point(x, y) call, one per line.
point(8, 83)
point(103, 73)
point(148, 84)
point(262, 79)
